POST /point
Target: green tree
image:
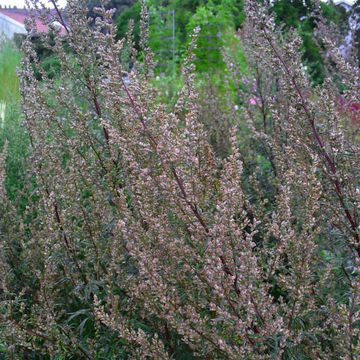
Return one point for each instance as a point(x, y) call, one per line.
point(301, 15)
point(217, 25)
point(185, 11)
point(122, 22)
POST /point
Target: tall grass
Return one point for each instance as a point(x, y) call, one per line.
point(11, 130)
point(9, 60)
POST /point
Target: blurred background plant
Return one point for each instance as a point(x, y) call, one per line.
point(11, 130)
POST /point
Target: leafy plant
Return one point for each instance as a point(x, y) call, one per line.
point(146, 236)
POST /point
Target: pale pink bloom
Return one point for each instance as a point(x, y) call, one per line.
point(253, 101)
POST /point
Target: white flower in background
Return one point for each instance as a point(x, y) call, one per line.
point(2, 113)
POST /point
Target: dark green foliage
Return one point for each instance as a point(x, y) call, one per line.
point(217, 25)
point(298, 14)
point(290, 13)
point(215, 18)
point(51, 65)
point(122, 22)
point(301, 15)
